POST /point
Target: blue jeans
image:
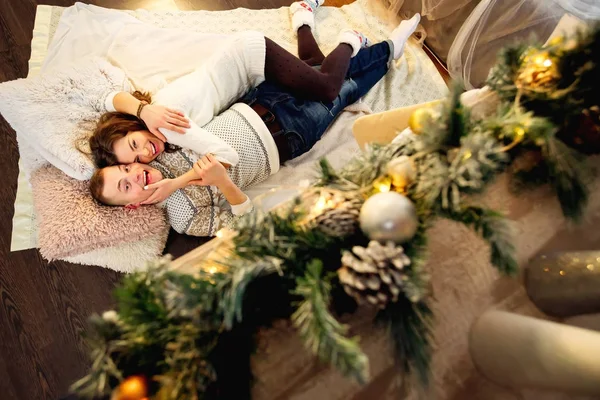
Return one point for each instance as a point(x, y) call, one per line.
point(303, 122)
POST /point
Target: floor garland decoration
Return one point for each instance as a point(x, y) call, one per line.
point(357, 236)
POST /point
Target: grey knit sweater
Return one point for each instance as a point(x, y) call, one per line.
point(203, 210)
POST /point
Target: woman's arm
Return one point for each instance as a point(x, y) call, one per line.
point(201, 142)
point(154, 116)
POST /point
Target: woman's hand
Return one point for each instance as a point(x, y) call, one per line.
point(210, 172)
point(155, 116)
point(162, 190)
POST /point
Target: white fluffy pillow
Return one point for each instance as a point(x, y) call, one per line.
point(55, 112)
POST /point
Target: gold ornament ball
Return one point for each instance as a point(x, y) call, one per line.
point(419, 118)
point(389, 216)
point(133, 388)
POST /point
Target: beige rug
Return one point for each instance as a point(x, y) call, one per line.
point(413, 79)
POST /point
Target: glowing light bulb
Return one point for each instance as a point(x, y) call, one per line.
point(542, 60)
point(383, 187)
point(383, 184)
point(320, 205)
point(520, 132)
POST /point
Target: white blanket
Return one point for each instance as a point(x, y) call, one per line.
point(413, 79)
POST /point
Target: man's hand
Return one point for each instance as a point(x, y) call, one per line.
point(210, 172)
point(155, 117)
point(162, 190)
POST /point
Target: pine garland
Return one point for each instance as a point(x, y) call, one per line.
point(242, 275)
point(321, 332)
point(567, 174)
point(493, 227)
point(410, 325)
point(192, 335)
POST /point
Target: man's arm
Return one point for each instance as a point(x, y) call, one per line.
point(211, 172)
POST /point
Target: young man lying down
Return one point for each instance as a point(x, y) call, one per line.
point(206, 201)
point(265, 128)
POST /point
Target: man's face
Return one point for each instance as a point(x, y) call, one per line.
point(124, 184)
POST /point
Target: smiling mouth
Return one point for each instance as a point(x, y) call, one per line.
point(145, 178)
point(153, 148)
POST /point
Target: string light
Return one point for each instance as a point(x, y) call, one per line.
point(383, 184)
point(543, 60)
point(320, 205)
point(519, 131)
point(519, 135)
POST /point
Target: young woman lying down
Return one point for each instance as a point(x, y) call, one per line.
point(202, 181)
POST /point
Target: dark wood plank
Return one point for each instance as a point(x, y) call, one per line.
point(16, 23)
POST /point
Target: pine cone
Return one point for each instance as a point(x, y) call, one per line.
point(375, 273)
point(334, 212)
point(340, 221)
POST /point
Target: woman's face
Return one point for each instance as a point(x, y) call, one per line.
point(138, 147)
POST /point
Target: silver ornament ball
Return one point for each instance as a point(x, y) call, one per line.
point(389, 216)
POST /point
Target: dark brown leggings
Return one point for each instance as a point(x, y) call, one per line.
point(298, 76)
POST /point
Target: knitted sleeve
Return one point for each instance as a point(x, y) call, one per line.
point(208, 220)
point(202, 142)
point(187, 216)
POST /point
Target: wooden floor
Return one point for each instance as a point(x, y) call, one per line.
point(43, 307)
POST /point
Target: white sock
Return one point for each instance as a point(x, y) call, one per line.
point(303, 13)
point(401, 34)
point(355, 39)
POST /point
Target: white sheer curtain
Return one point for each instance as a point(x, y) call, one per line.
point(492, 25)
point(583, 9)
point(486, 26)
point(495, 23)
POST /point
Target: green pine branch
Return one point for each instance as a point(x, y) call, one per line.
point(321, 332)
point(363, 169)
point(567, 174)
point(101, 340)
point(410, 325)
point(503, 75)
point(242, 273)
point(457, 117)
point(442, 182)
point(494, 228)
point(280, 235)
